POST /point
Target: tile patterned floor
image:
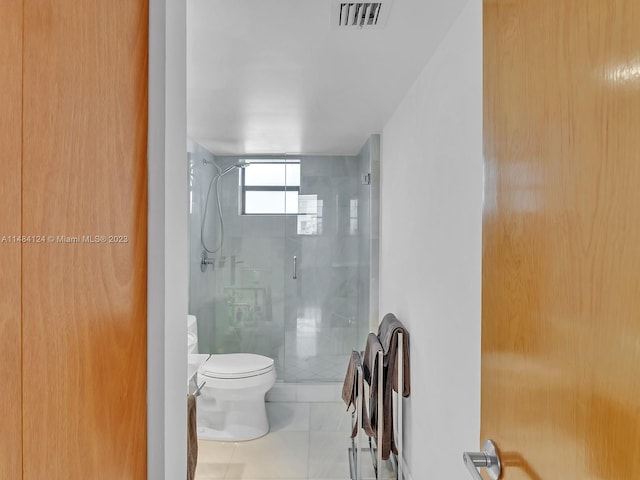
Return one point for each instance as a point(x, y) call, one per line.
point(306, 441)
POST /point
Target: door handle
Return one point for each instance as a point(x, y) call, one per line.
point(295, 267)
point(488, 458)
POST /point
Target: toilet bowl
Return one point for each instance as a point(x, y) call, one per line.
point(231, 404)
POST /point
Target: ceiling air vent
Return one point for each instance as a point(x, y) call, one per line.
point(360, 15)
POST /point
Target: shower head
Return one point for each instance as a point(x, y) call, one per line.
point(240, 164)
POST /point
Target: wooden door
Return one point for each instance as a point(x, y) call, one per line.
point(10, 162)
point(84, 287)
point(561, 238)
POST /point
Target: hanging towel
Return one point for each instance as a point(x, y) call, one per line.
point(192, 438)
point(370, 365)
point(370, 370)
point(388, 336)
point(349, 393)
point(351, 379)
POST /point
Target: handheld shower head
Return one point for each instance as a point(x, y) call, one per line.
point(240, 164)
point(215, 180)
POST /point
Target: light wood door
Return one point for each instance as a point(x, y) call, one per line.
point(84, 289)
point(10, 162)
point(561, 238)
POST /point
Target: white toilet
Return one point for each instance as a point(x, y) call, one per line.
point(231, 404)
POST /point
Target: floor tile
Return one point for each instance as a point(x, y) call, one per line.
point(214, 459)
point(288, 416)
point(328, 455)
point(306, 441)
point(282, 454)
point(330, 417)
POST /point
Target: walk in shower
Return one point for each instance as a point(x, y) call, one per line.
point(283, 257)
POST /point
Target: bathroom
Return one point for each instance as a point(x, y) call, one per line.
point(293, 286)
point(272, 105)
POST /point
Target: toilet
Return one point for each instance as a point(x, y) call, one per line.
point(231, 405)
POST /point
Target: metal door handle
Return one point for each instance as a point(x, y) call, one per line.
point(488, 458)
point(295, 267)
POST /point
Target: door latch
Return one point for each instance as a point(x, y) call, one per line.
point(488, 459)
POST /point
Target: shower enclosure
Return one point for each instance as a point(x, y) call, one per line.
point(284, 263)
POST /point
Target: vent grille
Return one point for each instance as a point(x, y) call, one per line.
point(359, 14)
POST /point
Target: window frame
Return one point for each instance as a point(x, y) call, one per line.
point(265, 188)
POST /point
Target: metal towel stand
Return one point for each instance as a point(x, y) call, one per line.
point(356, 449)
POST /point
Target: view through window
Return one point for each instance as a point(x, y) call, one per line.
point(270, 187)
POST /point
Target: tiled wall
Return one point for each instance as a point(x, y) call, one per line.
point(249, 301)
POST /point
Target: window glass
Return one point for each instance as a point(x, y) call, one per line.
point(293, 174)
point(261, 202)
point(265, 174)
point(270, 187)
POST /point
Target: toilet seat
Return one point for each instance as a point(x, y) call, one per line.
point(236, 365)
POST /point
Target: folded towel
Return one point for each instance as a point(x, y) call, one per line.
point(351, 379)
point(370, 366)
point(370, 369)
point(192, 438)
point(388, 335)
point(349, 393)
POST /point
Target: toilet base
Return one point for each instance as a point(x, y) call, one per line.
point(231, 421)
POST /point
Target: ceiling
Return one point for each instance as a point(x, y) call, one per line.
point(274, 77)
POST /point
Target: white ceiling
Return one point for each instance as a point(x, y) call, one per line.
point(272, 76)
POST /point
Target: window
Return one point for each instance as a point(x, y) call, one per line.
point(270, 187)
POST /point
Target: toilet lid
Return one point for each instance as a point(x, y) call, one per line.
point(236, 365)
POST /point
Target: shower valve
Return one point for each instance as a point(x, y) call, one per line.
point(205, 260)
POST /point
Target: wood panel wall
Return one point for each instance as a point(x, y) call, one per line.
point(84, 288)
point(10, 160)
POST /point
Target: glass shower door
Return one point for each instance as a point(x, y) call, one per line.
point(322, 285)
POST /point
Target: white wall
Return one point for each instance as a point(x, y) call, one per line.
point(167, 243)
point(430, 252)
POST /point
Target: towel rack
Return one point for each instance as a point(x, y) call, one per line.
point(199, 388)
point(356, 450)
point(355, 459)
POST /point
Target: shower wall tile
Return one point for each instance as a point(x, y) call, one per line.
point(318, 165)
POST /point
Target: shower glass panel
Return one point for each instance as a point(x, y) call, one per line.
point(322, 320)
point(259, 218)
